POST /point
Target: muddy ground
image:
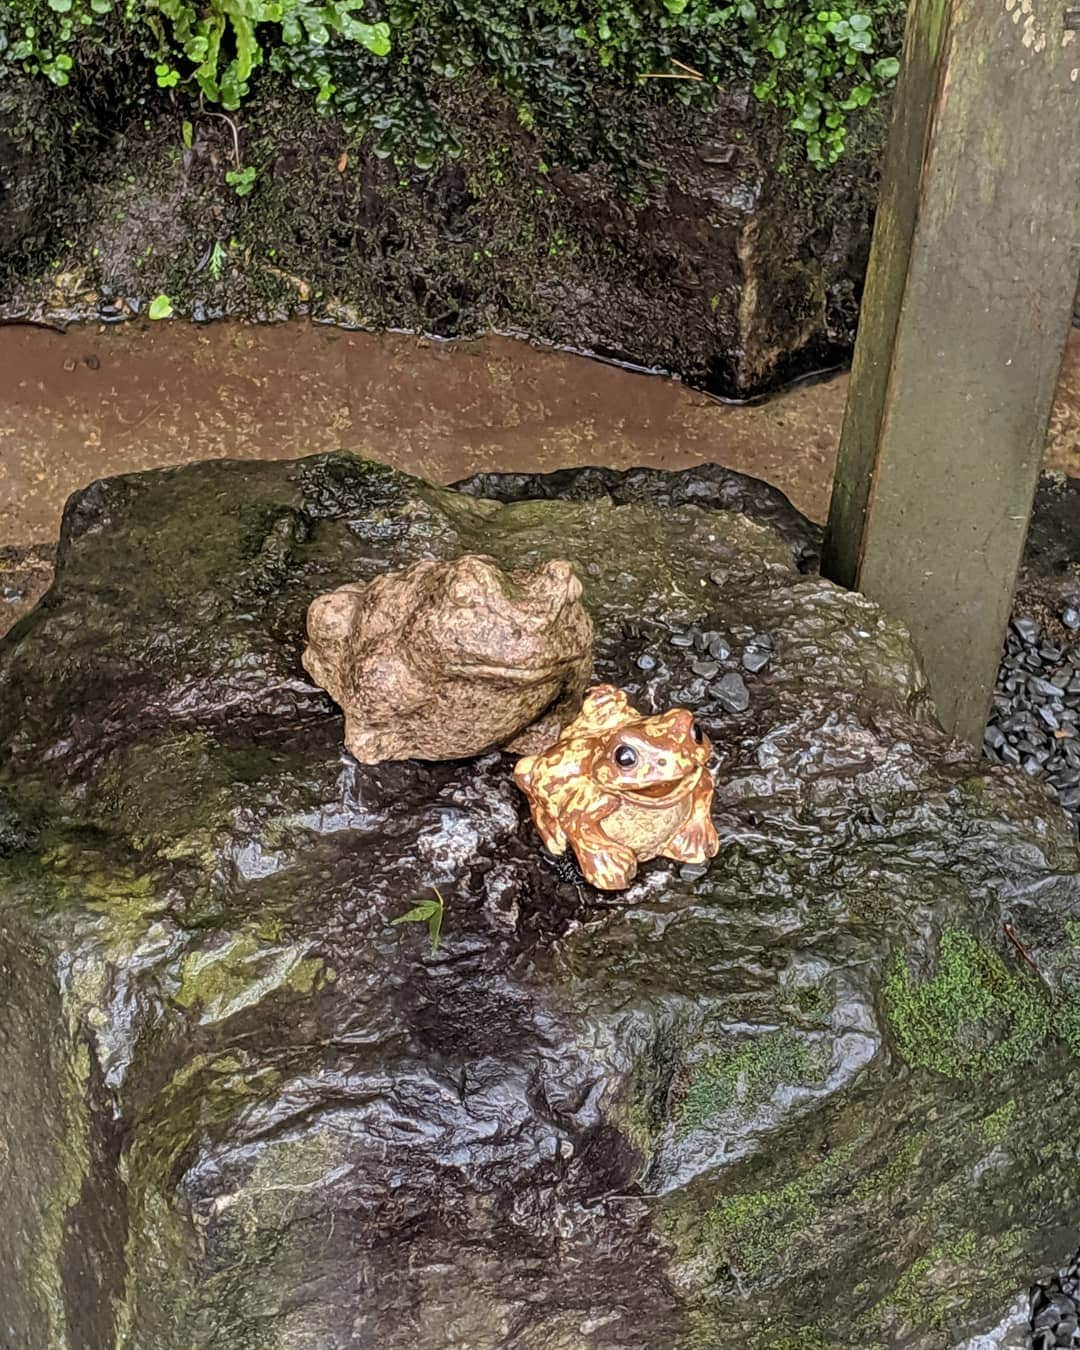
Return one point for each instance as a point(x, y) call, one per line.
point(104, 400)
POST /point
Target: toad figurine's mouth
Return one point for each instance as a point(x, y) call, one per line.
point(663, 794)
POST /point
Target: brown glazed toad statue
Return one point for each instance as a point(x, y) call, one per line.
point(448, 659)
point(621, 789)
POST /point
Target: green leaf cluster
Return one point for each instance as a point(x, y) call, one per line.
point(383, 65)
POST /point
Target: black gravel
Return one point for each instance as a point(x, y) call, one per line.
point(699, 667)
point(1055, 1310)
point(1035, 716)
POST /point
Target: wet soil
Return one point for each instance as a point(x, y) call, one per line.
point(103, 400)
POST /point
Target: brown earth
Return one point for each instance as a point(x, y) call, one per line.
point(100, 401)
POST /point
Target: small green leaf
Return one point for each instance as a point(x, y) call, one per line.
point(859, 22)
point(435, 928)
point(60, 6)
point(420, 914)
point(160, 307)
point(217, 260)
point(429, 912)
point(187, 134)
point(777, 46)
point(242, 180)
point(887, 69)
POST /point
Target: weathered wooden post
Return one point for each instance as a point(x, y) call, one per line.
point(964, 320)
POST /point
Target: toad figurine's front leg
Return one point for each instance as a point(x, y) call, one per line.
point(696, 841)
point(606, 865)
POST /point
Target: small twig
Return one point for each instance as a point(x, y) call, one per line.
point(232, 127)
point(659, 75)
point(1022, 949)
point(683, 66)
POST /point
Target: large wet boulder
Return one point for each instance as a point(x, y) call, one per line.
point(823, 1092)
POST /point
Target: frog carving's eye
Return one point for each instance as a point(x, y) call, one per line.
point(695, 731)
point(625, 757)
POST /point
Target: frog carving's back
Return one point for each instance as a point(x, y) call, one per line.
point(448, 659)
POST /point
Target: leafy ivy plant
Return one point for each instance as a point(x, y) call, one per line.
point(821, 70)
point(241, 180)
point(221, 44)
point(381, 64)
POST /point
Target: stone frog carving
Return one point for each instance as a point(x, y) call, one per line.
point(448, 659)
point(621, 789)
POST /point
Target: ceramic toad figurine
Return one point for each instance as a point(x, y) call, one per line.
point(448, 659)
point(621, 789)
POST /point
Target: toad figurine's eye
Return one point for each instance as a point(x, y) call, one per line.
point(695, 731)
point(625, 757)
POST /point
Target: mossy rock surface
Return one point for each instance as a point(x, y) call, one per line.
point(812, 1096)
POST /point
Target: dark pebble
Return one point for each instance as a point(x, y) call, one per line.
point(1010, 754)
point(731, 693)
point(1071, 618)
point(1027, 630)
point(719, 649)
point(756, 658)
point(707, 669)
point(1040, 688)
point(994, 737)
point(91, 362)
point(646, 662)
point(691, 695)
point(682, 640)
point(1049, 717)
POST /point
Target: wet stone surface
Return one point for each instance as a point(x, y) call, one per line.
point(772, 1102)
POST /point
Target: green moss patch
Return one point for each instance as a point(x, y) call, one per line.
point(972, 1017)
point(751, 1230)
point(744, 1078)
